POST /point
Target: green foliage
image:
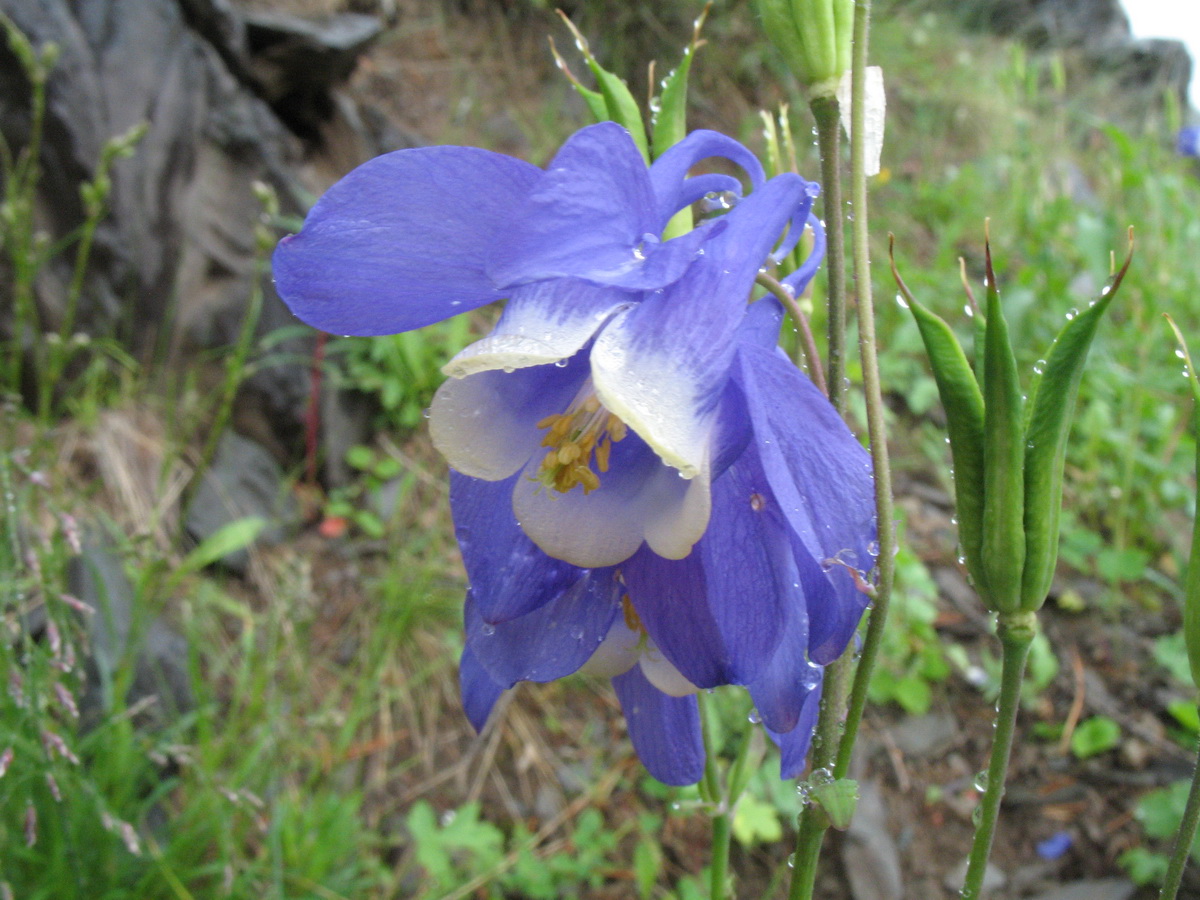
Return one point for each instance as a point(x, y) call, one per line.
point(354, 501)
point(1160, 813)
point(912, 655)
point(401, 371)
point(1094, 736)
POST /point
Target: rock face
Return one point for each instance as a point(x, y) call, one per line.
point(1099, 29)
point(229, 100)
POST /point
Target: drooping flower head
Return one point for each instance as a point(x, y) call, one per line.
point(642, 482)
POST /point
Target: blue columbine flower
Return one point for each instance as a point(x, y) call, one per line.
point(642, 483)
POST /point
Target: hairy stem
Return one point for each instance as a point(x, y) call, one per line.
point(1183, 839)
point(825, 113)
point(1015, 638)
point(873, 389)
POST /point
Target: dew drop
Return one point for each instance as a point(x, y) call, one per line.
point(560, 363)
point(488, 629)
point(1039, 367)
point(755, 718)
point(981, 781)
point(1072, 313)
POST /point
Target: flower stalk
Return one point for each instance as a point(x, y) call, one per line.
point(1016, 633)
point(1183, 839)
point(826, 113)
point(837, 731)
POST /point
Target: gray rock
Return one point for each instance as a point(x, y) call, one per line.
point(119, 634)
point(869, 854)
point(1097, 889)
point(994, 878)
point(242, 481)
point(172, 267)
point(925, 736)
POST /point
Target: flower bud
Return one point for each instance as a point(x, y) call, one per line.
point(814, 36)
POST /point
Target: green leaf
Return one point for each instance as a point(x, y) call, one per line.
point(756, 821)
point(1144, 866)
point(1185, 713)
point(620, 106)
point(1052, 405)
point(1095, 735)
point(594, 99)
point(1191, 584)
point(230, 538)
point(963, 403)
point(669, 122)
point(913, 693)
point(1003, 545)
point(839, 799)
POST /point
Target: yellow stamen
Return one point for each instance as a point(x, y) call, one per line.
point(573, 437)
point(632, 621)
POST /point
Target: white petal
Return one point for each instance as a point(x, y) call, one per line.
point(663, 675)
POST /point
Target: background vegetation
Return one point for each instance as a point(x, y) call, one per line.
point(325, 756)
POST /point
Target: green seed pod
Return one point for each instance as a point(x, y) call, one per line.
point(814, 36)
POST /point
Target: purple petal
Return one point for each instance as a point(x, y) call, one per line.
point(638, 499)
point(592, 215)
point(552, 641)
point(542, 323)
point(486, 424)
point(479, 692)
point(665, 730)
point(793, 746)
point(662, 365)
point(821, 477)
point(780, 691)
point(718, 614)
point(669, 172)
point(400, 242)
point(508, 574)
point(800, 279)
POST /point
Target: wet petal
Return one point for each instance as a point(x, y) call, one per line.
point(821, 477)
point(542, 323)
point(718, 614)
point(619, 652)
point(552, 641)
point(664, 676)
point(668, 174)
point(638, 499)
point(661, 366)
point(665, 730)
point(479, 691)
point(486, 424)
point(592, 215)
point(783, 687)
point(508, 574)
point(794, 745)
point(800, 279)
point(400, 242)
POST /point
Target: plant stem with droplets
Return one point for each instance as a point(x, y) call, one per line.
point(721, 823)
point(1183, 839)
point(873, 389)
point(829, 134)
point(1016, 634)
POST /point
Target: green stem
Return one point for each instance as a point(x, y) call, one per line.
point(721, 832)
point(837, 730)
point(1184, 839)
point(873, 390)
point(1016, 633)
point(710, 789)
point(813, 821)
point(825, 113)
